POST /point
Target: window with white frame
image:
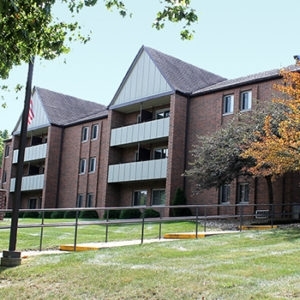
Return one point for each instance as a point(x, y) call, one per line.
point(92, 164)
point(228, 104)
point(225, 193)
point(139, 197)
point(79, 200)
point(246, 100)
point(163, 113)
point(159, 153)
point(84, 134)
point(89, 200)
point(158, 197)
point(82, 165)
point(243, 192)
point(95, 128)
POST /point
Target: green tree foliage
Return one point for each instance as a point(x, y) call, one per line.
point(3, 136)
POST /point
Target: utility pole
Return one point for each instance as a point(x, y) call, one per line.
point(12, 258)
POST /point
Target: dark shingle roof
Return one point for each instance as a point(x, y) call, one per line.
point(65, 110)
point(262, 76)
point(182, 76)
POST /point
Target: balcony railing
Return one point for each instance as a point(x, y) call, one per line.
point(140, 132)
point(29, 183)
point(32, 153)
point(142, 170)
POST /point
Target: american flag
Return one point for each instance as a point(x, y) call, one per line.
point(30, 113)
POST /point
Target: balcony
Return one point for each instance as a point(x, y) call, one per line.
point(142, 170)
point(151, 130)
point(29, 183)
point(32, 153)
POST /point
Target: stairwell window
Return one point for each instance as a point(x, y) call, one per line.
point(6, 152)
point(95, 128)
point(246, 100)
point(89, 200)
point(84, 134)
point(82, 165)
point(228, 104)
point(79, 200)
point(92, 164)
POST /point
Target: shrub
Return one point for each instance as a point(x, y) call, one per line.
point(57, 214)
point(130, 213)
point(180, 199)
point(47, 214)
point(112, 214)
point(88, 214)
point(70, 214)
point(31, 214)
point(151, 213)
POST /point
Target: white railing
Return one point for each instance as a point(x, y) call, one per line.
point(142, 170)
point(140, 132)
point(29, 183)
point(32, 153)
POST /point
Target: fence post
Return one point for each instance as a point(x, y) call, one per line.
point(159, 228)
point(204, 218)
point(76, 230)
point(143, 225)
point(106, 226)
point(196, 222)
point(241, 216)
point(42, 230)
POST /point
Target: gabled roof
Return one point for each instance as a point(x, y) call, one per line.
point(250, 79)
point(180, 75)
point(153, 73)
point(64, 110)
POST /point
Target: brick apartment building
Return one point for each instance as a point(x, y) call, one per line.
point(134, 152)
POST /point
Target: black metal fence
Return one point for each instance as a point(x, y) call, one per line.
point(202, 215)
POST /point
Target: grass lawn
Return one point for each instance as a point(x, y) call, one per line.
point(246, 265)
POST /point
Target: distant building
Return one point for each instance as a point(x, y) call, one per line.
point(134, 152)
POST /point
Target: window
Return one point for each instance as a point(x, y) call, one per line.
point(6, 153)
point(79, 200)
point(4, 176)
point(225, 193)
point(228, 102)
point(243, 192)
point(84, 134)
point(158, 197)
point(164, 113)
point(95, 131)
point(89, 200)
point(160, 153)
point(32, 203)
point(82, 164)
point(139, 198)
point(246, 100)
point(92, 164)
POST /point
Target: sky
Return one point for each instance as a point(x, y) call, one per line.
point(232, 38)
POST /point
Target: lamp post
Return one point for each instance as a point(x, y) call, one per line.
point(12, 258)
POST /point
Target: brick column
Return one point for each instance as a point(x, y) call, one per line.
point(2, 202)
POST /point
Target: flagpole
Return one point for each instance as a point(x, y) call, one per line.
point(12, 258)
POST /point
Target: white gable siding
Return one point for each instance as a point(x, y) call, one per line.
point(40, 118)
point(143, 81)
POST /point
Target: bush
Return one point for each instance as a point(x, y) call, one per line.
point(130, 213)
point(70, 214)
point(88, 214)
point(151, 213)
point(31, 214)
point(47, 214)
point(57, 214)
point(112, 214)
point(180, 200)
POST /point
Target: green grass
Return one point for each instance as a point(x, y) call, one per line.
point(246, 265)
point(53, 237)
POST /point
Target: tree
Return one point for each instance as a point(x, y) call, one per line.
point(278, 151)
point(218, 158)
point(3, 136)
